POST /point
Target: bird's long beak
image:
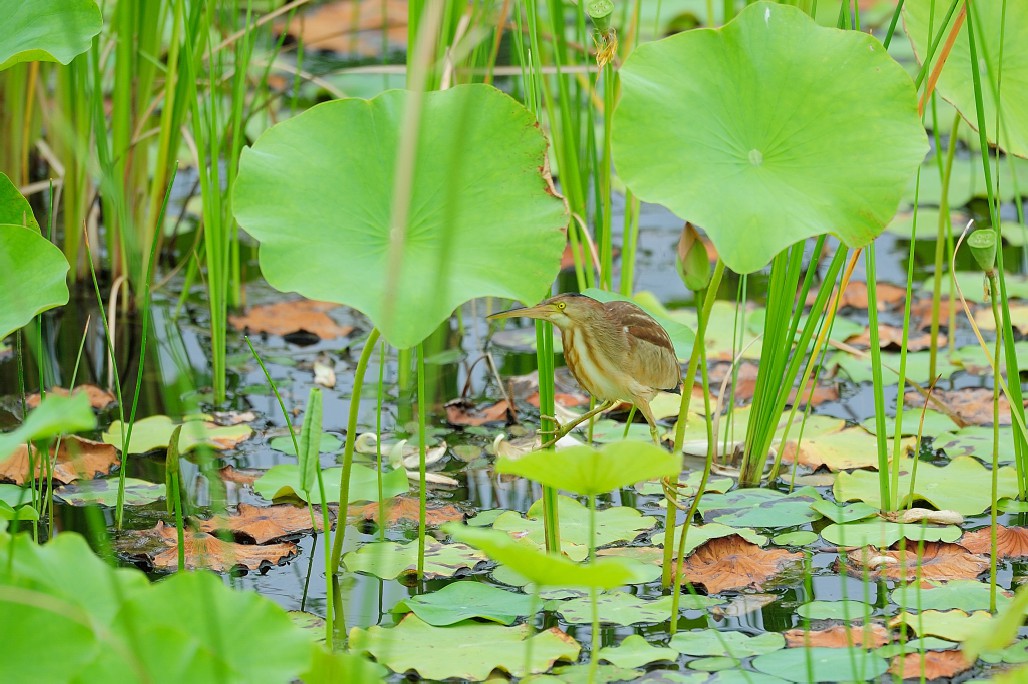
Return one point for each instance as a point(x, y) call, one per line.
point(521, 312)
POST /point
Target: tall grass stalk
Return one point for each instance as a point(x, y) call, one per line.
point(878, 384)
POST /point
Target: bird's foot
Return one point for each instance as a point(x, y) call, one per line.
point(671, 490)
point(557, 429)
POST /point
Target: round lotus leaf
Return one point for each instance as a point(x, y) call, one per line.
point(769, 130)
point(992, 21)
point(482, 217)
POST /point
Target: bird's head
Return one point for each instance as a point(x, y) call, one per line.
point(564, 311)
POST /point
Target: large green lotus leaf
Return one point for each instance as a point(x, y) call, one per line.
point(33, 276)
point(389, 560)
point(526, 559)
point(966, 595)
point(617, 523)
point(635, 651)
point(883, 534)
point(1000, 28)
point(768, 131)
point(154, 432)
point(963, 485)
point(284, 480)
point(822, 664)
point(585, 470)
point(46, 30)
point(464, 600)
point(468, 650)
point(975, 440)
point(192, 628)
point(316, 190)
point(14, 208)
point(617, 607)
point(55, 415)
point(712, 642)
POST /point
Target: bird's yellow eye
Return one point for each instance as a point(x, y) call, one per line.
point(561, 305)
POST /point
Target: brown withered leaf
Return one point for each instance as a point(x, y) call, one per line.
point(464, 412)
point(840, 636)
point(855, 296)
point(348, 26)
point(972, 405)
point(98, 398)
point(891, 337)
point(283, 318)
point(746, 383)
point(77, 458)
point(733, 563)
point(938, 561)
point(1011, 542)
point(264, 523)
point(242, 476)
point(931, 664)
point(159, 547)
point(921, 312)
point(403, 510)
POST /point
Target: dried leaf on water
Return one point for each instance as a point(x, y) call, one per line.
point(98, 398)
point(973, 405)
point(936, 561)
point(264, 523)
point(464, 412)
point(734, 563)
point(159, 546)
point(403, 510)
point(282, 318)
point(870, 635)
point(1011, 542)
point(930, 665)
point(77, 458)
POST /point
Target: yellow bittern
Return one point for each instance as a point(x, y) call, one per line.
point(615, 350)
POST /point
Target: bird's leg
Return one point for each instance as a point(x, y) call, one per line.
point(562, 430)
point(670, 486)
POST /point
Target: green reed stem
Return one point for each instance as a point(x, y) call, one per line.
point(344, 480)
point(422, 411)
point(876, 376)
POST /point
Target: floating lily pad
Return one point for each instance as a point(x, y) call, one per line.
point(831, 443)
point(712, 642)
point(835, 610)
point(724, 126)
point(635, 651)
point(47, 30)
point(617, 523)
point(822, 664)
point(760, 508)
point(389, 560)
point(701, 534)
point(587, 674)
point(713, 664)
point(797, 538)
point(105, 492)
point(155, 432)
point(480, 196)
point(963, 485)
point(881, 533)
point(844, 514)
point(467, 650)
point(330, 444)
point(284, 480)
point(858, 368)
point(935, 422)
point(528, 560)
point(976, 441)
point(966, 595)
point(54, 416)
point(464, 600)
point(955, 625)
point(617, 607)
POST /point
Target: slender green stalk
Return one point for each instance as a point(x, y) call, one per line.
point(344, 480)
point(422, 410)
point(888, 503)
point(996, 372)
point(689, 382)
point(593, 595)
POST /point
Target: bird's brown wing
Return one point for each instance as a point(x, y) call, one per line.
point(651, 355)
